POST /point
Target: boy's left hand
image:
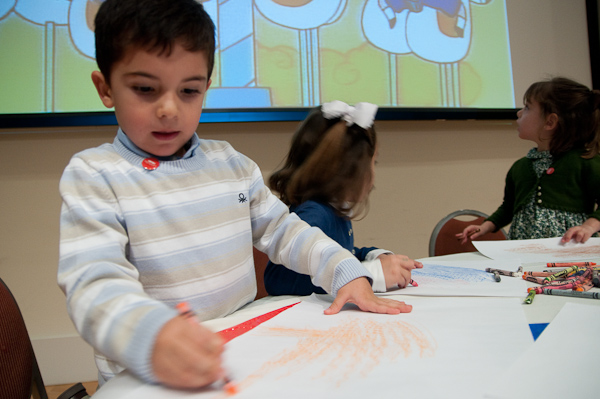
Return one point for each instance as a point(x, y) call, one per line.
point(360, 293)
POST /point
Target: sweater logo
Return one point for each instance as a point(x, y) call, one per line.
point(242, 198)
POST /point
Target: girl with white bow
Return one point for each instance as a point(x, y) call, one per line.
point(326, 180)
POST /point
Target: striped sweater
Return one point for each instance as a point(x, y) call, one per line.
point(135, 242)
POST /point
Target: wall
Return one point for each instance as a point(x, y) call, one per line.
point(426, 170)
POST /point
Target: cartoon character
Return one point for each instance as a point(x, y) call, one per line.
point(438, 31)
point(48, 14)
point(42, 13)
point(235, 57)
point(305, 16)
point(81, 25)
point(6, 6)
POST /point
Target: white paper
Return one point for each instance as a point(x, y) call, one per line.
point(569, 346)
point(452, 348)
point(464, 278)
point(540, 250)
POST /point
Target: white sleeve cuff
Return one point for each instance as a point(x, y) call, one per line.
point(374, 267)
point(374, 254)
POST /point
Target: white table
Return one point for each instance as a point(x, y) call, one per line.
point(543, 309)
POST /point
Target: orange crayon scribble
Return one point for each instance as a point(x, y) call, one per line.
point(351, 350)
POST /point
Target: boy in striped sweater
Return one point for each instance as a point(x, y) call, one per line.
point(161, 216)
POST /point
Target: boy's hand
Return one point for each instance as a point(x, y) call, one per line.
point(397, 269)
point(187, 355)
point(360, 293)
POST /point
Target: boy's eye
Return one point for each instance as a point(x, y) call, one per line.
point(143, 89)
point(191, 91)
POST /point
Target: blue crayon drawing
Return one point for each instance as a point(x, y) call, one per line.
point(431, 273)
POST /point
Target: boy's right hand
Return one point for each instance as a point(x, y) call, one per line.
point(359, 292)
point(187, 355)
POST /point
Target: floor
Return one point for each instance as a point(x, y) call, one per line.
point(55, 390)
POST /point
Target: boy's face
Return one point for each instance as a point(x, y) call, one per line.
point(157, 98)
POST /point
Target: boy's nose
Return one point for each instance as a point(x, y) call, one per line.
point(167, 107)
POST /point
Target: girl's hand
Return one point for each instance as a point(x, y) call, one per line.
point(187, 355)
point(582, 233)
point(397, 269)
point(475, 231)
point(360, 293)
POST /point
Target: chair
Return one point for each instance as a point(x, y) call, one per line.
point(20, 376)
point(443, 239)
point(260, 264)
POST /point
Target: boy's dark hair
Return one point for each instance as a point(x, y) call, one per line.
point(154, 25)
point(328, 162)
point(578, 111)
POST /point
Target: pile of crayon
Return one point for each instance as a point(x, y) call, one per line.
point(576, 277)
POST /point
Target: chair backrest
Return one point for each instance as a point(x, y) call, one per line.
point(20, 376)
point(443, 239)
point(260, 264)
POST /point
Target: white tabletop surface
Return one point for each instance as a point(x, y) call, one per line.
point(543, 309)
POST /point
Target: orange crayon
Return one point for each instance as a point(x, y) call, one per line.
point(230, 387)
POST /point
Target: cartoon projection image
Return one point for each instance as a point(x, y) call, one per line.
point(49, 15)
point(305, 16)
point(81, 25)
point(6, 6)
point(53, 17)
point(235, 65)
point(438, 31)
point(272, 53)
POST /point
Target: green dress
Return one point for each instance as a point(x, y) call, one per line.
point(536, 222)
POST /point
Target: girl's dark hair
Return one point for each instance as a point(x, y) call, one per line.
point(578, 111)
point(155, 25)
point(328, 162)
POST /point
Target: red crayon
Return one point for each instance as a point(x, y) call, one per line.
point(413, 283)
point(533, 279)
point(570, 264)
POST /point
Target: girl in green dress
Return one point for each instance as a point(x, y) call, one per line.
point(554, 190)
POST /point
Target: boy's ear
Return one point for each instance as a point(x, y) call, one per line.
point(551, 121)
point(103, 89)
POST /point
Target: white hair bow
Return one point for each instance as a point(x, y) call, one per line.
point(362, 114)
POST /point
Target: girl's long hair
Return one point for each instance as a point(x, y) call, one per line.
point(328, 162)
